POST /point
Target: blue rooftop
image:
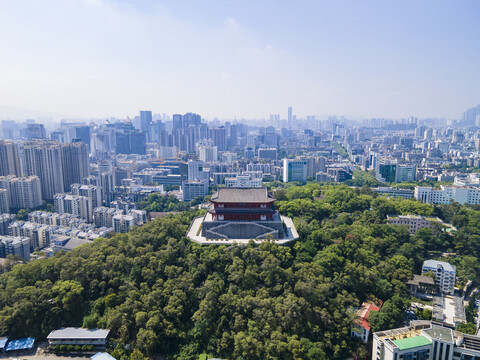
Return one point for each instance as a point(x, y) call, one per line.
point(3, 342)
point(20, 344)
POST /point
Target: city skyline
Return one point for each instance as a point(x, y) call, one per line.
point(101, 58)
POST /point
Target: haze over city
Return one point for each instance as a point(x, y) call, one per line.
point(100, 58)
point(252, 180)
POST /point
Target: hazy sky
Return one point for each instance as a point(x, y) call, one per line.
point(241, 58)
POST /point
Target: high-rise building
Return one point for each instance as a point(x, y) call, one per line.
point(194, 189)
point(207, 153)
point(5, 221)
point(145, 121)
point(123, 223)
point(77, 205)
point(294, 170)
point(270, 153)
point(91, 191)
point(23, 192)
point(220, 138)
point(9, 158)
point(196, 172)
point(75, 164)
point(289, 120)
point(138, 141)
point(458, 137)
point(13, 245)
point(392, 171)
point(405, 173)
point(177, 121)
point(249, 152)
point(233, 136)
point(35, 131)
point(386, 171)
point(82, 133)
point(103, 216)
point(130, 142)
point(107, 184)
point(44, 159)
point(4, 201)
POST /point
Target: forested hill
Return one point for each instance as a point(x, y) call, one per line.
point(162, 294)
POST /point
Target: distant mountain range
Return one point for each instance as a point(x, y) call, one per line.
point(17, 113)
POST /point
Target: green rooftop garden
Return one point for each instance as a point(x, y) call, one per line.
point(411, 342)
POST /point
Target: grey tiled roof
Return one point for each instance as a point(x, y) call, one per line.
point(245, 195)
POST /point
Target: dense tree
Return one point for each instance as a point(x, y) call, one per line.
point(162, 294)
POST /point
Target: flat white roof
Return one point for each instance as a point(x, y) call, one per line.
point(78, 333)
point(102, 356)
point(434, 264)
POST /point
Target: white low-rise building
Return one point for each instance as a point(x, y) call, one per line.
point(243, 181)
point(444, 195)
point(78, 336)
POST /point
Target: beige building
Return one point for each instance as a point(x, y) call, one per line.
point(417, 222)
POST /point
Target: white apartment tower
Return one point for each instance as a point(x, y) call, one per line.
point(23, 192)
point(80, 206)
point(44, 159)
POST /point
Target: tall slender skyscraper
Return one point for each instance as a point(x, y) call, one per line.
point(75, 164)
point(82, 133)
point(145, 121)
point(289, 117)
point(219, 137)
point(9, 159)
point(44, 159)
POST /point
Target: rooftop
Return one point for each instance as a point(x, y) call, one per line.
point(243, 195)
point(421, 279)
point(363, 312)
point(440, 333)
point(3, 342)
point(435, 264)
point(78, 333)
point(20, 344)
point(412, 342)
point(415, 217)
point(102, 356)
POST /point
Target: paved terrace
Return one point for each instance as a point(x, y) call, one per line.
point(195, 234)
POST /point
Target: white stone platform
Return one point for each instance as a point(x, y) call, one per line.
point(195, 234)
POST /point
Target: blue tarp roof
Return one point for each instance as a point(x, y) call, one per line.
point(102, 356)
point(3, 342)
point(20, 344)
